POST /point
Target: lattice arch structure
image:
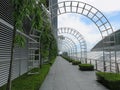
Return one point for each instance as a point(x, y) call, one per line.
point(78, 36)
point(70, 44)
point(85, 9)
point(89, 11)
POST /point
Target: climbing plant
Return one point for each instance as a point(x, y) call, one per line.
point(48, 43)
point(21, 10)
point(31, 9)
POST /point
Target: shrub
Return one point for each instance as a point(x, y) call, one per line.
point(68, 59)
point(86, 67)
point(110, 80)
point(76, 62)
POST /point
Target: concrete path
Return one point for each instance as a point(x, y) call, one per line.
point(64, 76)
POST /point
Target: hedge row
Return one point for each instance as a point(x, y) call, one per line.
point(68, 59)
point(86, 67)
point(76, 62)
point(110, 80)
point(83, 67)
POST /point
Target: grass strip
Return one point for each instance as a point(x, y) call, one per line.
point(32, 81)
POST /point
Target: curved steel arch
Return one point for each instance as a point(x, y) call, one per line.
point(85, 9)
point(78, 36)
point(89, 11)
point(70, 43)
point(66, 49)
point(69, 49)
point(74, 46)
point(73, 49)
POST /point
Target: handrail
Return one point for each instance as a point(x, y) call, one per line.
point(111, 65)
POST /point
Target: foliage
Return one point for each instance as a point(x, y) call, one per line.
point(30, 9)
point(109, 76)
point(23, 9)
point(52, 61)
point(20, 40)
point(86, 67)
point(53, 48)
point(76, 62)
point(30, 82)
point(48, 43)
point(26, 9)
point(110, 80)
point(68, 59)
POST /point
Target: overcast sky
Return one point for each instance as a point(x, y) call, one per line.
point(110, 8)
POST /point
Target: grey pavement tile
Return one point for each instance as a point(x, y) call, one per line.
point(64, 76)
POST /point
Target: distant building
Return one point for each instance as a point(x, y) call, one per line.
point(55, 19)
point(111, 46)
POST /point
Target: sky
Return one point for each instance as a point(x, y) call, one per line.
point(111, 10)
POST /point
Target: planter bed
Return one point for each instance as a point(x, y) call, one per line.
point(31, 81)
point(68, 59)
point(110, 80)
point(86, 67)
point(76, 62)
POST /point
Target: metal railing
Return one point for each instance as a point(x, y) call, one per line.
point(109, 66)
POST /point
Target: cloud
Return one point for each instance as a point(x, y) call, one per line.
point(86, 28)
point(89, 32)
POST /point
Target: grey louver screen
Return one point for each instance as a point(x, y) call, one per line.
point(6, 11)
point(5, 46)
point(21, 54)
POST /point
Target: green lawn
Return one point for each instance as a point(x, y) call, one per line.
point(30, 82)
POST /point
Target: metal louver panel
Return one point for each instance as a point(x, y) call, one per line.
point(5, 46)
point(6, 11)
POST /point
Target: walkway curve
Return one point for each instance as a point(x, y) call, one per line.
point(64, 76)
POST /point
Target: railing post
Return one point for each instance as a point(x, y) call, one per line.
point(96, 64)
point(110, 66)
point(90, 61)
point(117, 68)
point(86, 60)
point(104, 64)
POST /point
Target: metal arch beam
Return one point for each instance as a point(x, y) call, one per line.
point(78, 36)
point(72, 49)
point(84, 9)
point(71, 43)
point(68, 48)
point(89, 11)
point(68, 43)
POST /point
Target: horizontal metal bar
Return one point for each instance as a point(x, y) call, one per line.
point(34, 36)
point(10, 26)
point(33, 48)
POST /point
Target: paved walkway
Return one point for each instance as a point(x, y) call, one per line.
point(64, 76)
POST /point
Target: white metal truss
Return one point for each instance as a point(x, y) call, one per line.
point(78, 36)
point(89, 11)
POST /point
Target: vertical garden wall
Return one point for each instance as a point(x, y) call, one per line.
point(23, 17)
